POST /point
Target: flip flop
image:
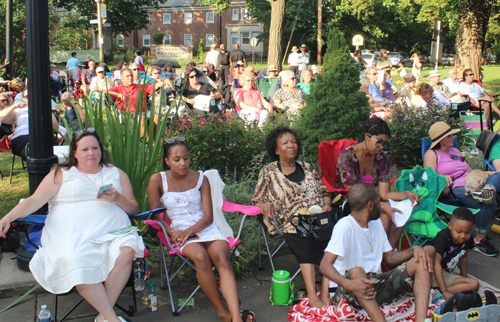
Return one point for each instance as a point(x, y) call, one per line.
point(246, 313)
point(299, 296)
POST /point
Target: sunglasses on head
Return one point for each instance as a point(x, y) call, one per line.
point(457, 157)
point(177, 139)
point(80, 132)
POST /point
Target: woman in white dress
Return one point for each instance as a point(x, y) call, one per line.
point(187, 197)
point(417, 65)
point(68, 257)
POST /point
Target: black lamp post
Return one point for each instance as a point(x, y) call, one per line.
point(41, 156)
point(8, 38)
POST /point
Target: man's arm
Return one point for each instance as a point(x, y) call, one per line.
point(393, 259)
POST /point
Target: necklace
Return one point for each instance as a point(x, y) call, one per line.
point(369, 239)
point(175, 185)
point(92, 181)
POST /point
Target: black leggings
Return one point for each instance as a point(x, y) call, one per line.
point(18, 145)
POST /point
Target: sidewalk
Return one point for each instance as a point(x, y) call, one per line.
point(253, 291)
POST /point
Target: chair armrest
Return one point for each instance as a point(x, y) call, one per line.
point(164, 230)
point(247, 210)
point(147, 214)
point(33, 219)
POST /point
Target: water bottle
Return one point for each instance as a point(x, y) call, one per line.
point(152, 299)
point(259, 105)
point(139, 283)
point(212, 105)
point(44, 314)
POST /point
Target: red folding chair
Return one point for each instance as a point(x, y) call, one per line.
point(328, 155)
point(479, 109)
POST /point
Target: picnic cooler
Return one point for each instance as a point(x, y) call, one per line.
point(488, 313)
point(281, 288)
point(471, 121)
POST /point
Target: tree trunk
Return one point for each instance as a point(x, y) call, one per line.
point(275, 53)
point(473, 17)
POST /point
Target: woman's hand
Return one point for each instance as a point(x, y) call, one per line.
point(414, 198)
point(326, 207)
point(267, 210)
point(4, 227)
point(449, 181)
point(179, 237)
point(112, 195)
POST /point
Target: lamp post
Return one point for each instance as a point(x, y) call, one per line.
point(99, 29)
point(41, 156)
point(9, 39)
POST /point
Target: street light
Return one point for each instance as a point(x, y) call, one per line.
point(99, 28)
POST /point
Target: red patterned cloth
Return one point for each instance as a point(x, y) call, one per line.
point(401, 310)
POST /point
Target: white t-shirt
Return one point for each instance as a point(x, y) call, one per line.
point(293, 59)
point(473, 90)
point(213, 57)
point(453, 87)
point(438, 98)
point(353, 249)
point(138, 59)
point(22, 123)
point(73, 71)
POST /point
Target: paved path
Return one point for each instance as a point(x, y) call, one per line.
point(253, 291)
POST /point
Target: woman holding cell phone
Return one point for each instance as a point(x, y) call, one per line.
point(187, 197)
point(88, 197)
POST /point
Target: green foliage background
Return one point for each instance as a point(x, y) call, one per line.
point(335, 109)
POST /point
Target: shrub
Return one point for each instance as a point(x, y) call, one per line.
point(129, 54)
point(158, 38)
point(335, 109)
point(201, 48)
point(409, 125)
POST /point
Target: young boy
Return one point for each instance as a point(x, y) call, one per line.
point(452, 245)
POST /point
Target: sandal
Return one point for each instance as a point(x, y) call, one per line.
point(246, 313)
point(484, 196)
point(299, 296)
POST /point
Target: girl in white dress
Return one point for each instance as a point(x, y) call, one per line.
point(67, 257)
point(187, 197)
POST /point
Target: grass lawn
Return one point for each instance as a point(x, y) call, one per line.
point(11, 193)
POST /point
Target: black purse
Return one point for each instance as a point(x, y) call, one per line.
point(317, 227)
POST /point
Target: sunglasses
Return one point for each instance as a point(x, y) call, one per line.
point(379, 143)
point(156, 73)
point(293, 78)
point(80, 132)
point(457, 157)
point(177, 139)
point(193, 76)
point(134, 69)
point(469, 75)
point(3, 101)
point(205, 71)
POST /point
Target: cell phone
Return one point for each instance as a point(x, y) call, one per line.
point(103, 189)
point(193, 237)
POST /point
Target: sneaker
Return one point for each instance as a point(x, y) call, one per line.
point(484, 247)
point(484, 196)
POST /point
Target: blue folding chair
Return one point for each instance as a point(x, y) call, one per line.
point(31, 220)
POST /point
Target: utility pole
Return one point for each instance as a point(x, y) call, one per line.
point(320, 45)
point(9, 40)
point(99, 29)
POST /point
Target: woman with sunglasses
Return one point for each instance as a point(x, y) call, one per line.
point(449, 162)
point(367, 162)
point(187, 197)
point(289, 98)
point(80, 212)
point(194, 88)
point(476, 93)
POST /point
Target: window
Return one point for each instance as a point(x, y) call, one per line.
point(167, 39)
point(146, 40)
point(210, 17)
point(188, 18)
point(188, 40)
point(236, 14)
point(234, 38)
point(120, 41)
point(244, 12)
point(210, 40)
point(245, 38)
point(166, 19)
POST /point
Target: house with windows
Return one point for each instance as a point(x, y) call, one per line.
point(184, 24)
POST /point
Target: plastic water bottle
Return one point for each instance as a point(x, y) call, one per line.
point(139, 283)
point(44, 314)
point(259, 105)
point(212, 104)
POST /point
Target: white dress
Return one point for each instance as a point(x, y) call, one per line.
point(68, 257)
point(184, 209)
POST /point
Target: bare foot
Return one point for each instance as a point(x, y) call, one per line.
point(225, 317)
point(316, 302)
point(325, 299)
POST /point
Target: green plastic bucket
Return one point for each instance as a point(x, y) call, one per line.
point(281, 288)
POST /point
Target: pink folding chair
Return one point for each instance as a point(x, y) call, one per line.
point(168, 246)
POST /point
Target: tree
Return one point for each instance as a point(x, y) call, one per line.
point(336, 108)
point(125, 16)
point(201, 47)
point(73, 34)
point(19, 27)
point(158, 38)
point(275, 49)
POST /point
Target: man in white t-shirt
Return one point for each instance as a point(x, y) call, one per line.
point(453, 81)
point(213, 57)
point(293, 60)
point(354, 255)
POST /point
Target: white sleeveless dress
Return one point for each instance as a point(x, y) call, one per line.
point(67, 256)
point(184, 210)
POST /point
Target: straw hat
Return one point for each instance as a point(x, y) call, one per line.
point(303, 46)
point(486, 140)
point(295, 49)
point(272, 68)
point(434, 73)
point(408, 78)
point(439, 131)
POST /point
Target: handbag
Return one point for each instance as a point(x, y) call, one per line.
point(317, 227)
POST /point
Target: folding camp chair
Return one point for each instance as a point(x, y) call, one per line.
point(265, 84)
point(424, 222)
point(219, 205)
point(31, 220)
point(328, 155)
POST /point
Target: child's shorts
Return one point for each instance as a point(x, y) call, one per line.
point(449, 279)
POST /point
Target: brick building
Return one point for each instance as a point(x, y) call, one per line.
point(183, 24)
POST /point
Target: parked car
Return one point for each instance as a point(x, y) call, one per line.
point(370, 59)
point(396, 59)
point(448, 59)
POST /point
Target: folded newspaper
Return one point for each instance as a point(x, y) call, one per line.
point(113, 235)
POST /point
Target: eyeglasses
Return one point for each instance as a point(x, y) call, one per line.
point(3, 101)
point(177, 139)
point(469, 75)
point(101, 71)
point(80, 132)
point(156, 73)
point(457, 157)
point(379, 143)
point(134, 69)
point(193, 76)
